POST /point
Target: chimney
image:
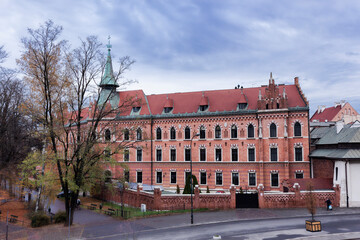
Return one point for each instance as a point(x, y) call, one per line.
point(342, 103)
point(296, 80)
point(337, 104)
point(323, 108)
point(259, 94)
point(319, 109)
point(339, 125)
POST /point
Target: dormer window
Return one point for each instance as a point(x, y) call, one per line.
point(136, 109)
point(203, 108)
point(242, 106)
point(167, 109)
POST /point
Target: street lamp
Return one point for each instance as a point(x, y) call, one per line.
point(191, 179)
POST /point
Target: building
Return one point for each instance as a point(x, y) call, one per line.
point(337, 156)
point(246, 136)
point(341, 110)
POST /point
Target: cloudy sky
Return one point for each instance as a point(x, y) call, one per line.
point(194, 45)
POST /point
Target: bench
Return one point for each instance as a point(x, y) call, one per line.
point(92, 206)
point(110, 211)
point(13, 219)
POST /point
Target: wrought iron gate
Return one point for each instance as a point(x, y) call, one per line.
point(247, 200)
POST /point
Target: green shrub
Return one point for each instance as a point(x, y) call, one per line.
point(187, 189)
point(207, 189)
point(177, 189)
point(60, 217)
point(39, 220)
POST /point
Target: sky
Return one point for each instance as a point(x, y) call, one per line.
point(195, 45)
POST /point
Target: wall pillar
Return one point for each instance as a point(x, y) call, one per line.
point(297, 195)
point(196, 197)
point(261, 196)
point(157, 199)
point(232, 196)
point(336, 202)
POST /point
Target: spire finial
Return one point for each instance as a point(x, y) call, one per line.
point(109, 45)
point(270, 75)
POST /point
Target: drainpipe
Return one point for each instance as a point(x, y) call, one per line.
point(151, 151)
point(309, 143)
point(346, 183)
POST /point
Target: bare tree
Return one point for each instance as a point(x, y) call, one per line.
point(68, 107)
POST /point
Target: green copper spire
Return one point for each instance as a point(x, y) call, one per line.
point(108, 79)
point(108, 83)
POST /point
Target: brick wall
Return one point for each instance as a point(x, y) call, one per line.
point(323, 168)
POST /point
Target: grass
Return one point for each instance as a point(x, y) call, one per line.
point(130, 212)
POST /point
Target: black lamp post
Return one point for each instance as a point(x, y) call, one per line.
point(191, 179)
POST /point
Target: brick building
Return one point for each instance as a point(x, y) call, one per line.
point(247, 136)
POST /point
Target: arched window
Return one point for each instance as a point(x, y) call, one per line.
point(107, 135)
point(217, 132)
point(172, 133)
point(187, 133)
point(126, 135)
point(233, 131)
point(297, 129)
point(250, 129)
point(202, 132)
point(158, 133)
point(273, 130)
point(138, 134)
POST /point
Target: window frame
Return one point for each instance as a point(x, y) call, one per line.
point(217, 132)
point(248, 157)
point(201, 175)
point(202, 131)
point(250, 128)
point(297, 129)
point(216, 154)
point(233, 132)
point(139, 150)
point(187, 133)
point(126, 155)
point(157, 177)
point(271, 154)
point(273, 130)
point(296, 154)
point(172, 133)
point(238, 178)
point(171, 155)
point(296, 175)
point(137, 176)
point(158, 133)
point(138, 134)
point(171, 177)
point(200, 155)
point(251, 176)
point(126, 134)
point(232, 154)
point(158, 155)
point(187, 154)
point(107, 135)
point(272, 179)
point(218, 174)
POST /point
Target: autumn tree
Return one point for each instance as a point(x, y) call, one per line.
point(69, 107)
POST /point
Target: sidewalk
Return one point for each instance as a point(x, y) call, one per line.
point(238, 214)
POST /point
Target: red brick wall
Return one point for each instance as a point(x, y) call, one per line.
point(323, 168)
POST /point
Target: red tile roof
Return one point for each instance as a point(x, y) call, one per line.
point(328, 114)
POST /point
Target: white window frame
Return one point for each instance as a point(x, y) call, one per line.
point(248, 154)
point(232, 154)
point(271, 184)
point(249, 179)
point(220, 155)
point(302, 154)
point(175, 177)
point(277, 154)
point(170, 154)
point(200, 155)
point(222, 179)
point(238, 178)
point(162, 180)
point(137, 176)
point(200, 178)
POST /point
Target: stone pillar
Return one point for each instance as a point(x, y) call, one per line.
point(261, 196)
point(157, 199)
point(139, 188)
point(298, 202)
point(196, 197)
point(232, 197)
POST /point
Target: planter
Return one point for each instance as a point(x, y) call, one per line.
point(313, 226)
point(216, 237)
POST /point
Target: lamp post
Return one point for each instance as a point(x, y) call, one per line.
point(191, 179)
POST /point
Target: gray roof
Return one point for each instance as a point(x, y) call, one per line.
point(346, 135)
point(337, 153)
point(319, 132)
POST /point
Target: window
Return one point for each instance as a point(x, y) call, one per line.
point(217, 132)
point(187, 133)
point(251, 131)
point(297, 129)
point(107, 174)
point(127, 175)
point(273, 155)
point(235, 178)
point(203, 178)
point(251, 154)
point(172, 133)
point(202, 132)
point(126, 155)
point(158, 155)
point(138, 134)
point(187, 175)
point(273, 130)
point(173, 155)
point(299, 175)
point(242, 105)
point(203, 108)
point(107, 154)
point(139, 177)
point(139, 155)
point(126, 135)
point(167, 109)
point(187, 154)
point(233, 131)
point(336, 173)
point(234, 154)
point(202, 154)
point(172, 177)
point(158, 133)
point(252, 179)
point(107, 135)
point(219, 178)
point(158, 177)
point(136, 109)
point(274, 179)
point(218, 154)
point(298, 154)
